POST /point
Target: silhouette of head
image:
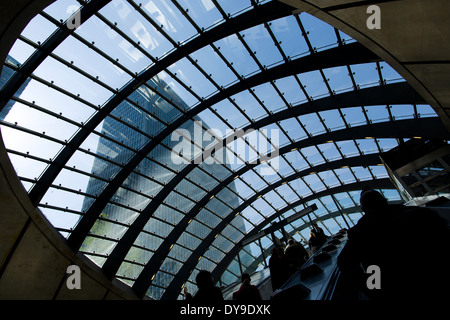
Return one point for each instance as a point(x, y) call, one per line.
point(372, 201)
point(275, 251)
point(245, 276)
point(204, 279)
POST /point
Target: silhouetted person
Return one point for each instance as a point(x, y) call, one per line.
point(207, 292)
point(247, 291)
point(278, 268)
point(410, 245)
point(295, 254)
point(316, 238)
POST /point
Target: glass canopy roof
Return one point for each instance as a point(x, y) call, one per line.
point(107, 99)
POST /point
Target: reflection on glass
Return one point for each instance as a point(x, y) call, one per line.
point(186, 193)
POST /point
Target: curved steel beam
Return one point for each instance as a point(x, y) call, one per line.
point(259, 14)
point(183, 274)
point(144, 280)
point(333, 57)
point(61, 34)
point(394, 93)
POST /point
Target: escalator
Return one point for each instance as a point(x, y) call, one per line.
point(261, 279)
point(318, 279)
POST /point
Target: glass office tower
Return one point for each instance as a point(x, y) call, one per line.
point(7, 73)
point(156, 100)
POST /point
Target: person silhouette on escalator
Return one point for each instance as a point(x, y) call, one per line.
point(409, 246)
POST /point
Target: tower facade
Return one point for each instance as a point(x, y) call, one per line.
point(114, 145)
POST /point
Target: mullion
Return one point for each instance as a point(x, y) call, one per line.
point(186, 15)
point(304, 33)
point(153, 23)
point(275, 41)
point(332, 195)
point(301, 178)
point(378, 68)
point(252, 54)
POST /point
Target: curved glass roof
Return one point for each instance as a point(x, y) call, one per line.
point(158, 136)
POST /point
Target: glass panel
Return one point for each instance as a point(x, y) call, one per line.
point(312, 123)
point(425, 111)
point(377, 113)
point(288, 33)
point(233, 6)
point(208, 218)
point(286, 192)
point(92, 63)
point(367, 145)
point(72, 81)
point(168, 214)
point(269, 97)
point(332, 119)
point(389, 74)
point(192, 77)
point(314, 84)
point(180, 253)
point(203, 12)
point(329, 178)
point(178, 90)
point(214, 66)
point(62, 9)
point(262, 45)
point(34, 145)
point(329, 151)
point(21, 51)
point(293, 128)
point(400, 112)
point(233, 50)
point(345, 175)
point(291, 91)
point(338, 79)
point(230, 114)
point(138, 29)
point(189, 241)
point(301, 188)
point(168, 16)
point(354, 116)
point(319, 33)
point(250, 107)
point(365, 74)
point(114, 45)
point(39, 29)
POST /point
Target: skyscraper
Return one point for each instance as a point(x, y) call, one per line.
point(149, 120)
point(7, 73)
